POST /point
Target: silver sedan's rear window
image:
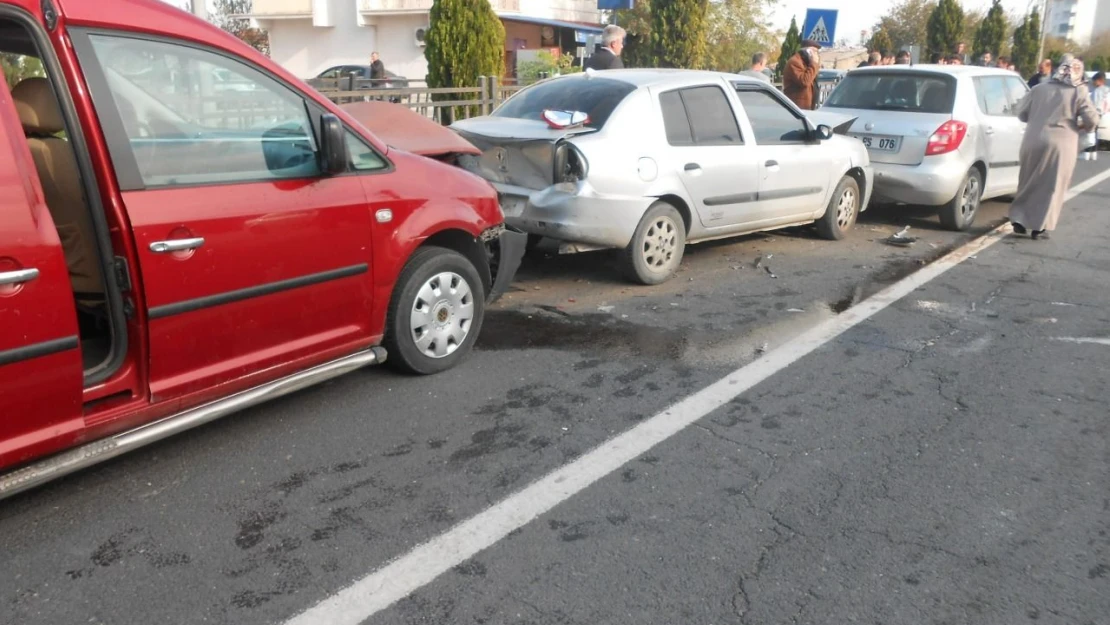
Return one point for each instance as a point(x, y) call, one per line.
point(889, 91)
point(597, 97)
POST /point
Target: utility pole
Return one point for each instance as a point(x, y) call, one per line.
point(1044, 31)
point(200, 9)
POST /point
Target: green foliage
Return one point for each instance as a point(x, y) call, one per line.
point(465, 40)
point(637, 44)
point(17, 67)
point(881, 42)
point(945, 27)
point(790, 46)
point(239, 26)
point(545, 63)
point(1027, 39)
point(990, 36)
point(678, 33)
point(737, 30)
point(906, 23)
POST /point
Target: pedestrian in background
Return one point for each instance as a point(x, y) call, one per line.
point(377, 71)
point(955, 59)
point(1044, 72)
point(609, 56)
point(887, 60)
point(1055, 113)
point(986, 60)
point(799, 79)
point(759, 63)
point(1100, 97)
point(873, 59)
point(903, 58)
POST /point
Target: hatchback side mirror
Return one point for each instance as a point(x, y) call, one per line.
point(333, 145)
point(824, 133)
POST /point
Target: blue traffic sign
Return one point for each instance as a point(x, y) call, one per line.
point(820, 26)
point(614, 5)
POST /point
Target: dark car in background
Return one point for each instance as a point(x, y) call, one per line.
point(361, 75)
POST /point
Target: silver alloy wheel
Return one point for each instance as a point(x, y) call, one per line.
point(969, 203)
point(442, 314)
point(660, 244)
point(845, 208)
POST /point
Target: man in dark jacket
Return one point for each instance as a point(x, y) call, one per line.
point(377, 71)
point(609, 55)
point(1044, 71)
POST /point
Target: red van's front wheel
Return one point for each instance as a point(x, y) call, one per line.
point(436, 312)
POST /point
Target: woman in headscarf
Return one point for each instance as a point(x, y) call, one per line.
point(1055, 111)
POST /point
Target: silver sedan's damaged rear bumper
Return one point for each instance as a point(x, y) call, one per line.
point(573, 212)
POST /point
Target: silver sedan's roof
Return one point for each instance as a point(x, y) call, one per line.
point(661, 77)
point(952, 70)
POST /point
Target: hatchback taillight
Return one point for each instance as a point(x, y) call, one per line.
point(947, 138)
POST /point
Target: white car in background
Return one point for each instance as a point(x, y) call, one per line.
point(939, 135)
point(646, 161)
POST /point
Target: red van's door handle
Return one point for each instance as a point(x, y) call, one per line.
point(18, 277)
point(176, 245)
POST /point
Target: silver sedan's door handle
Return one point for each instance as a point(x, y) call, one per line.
point(989, 130)
point(18, 277)
point(176, 245)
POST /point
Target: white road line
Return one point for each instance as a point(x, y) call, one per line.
point(401, 577)
point(1083, 339)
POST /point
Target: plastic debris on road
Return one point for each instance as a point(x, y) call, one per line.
point(901, 238)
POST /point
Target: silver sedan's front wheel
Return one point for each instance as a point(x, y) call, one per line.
point(436, 312)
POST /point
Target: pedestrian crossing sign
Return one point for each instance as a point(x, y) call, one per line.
point(820, 26)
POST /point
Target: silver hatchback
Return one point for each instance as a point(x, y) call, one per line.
point(942, 136)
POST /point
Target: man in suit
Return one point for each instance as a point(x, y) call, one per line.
point(799, 79)
point(609, 55)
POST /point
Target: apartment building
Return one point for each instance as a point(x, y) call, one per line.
point(309, 36)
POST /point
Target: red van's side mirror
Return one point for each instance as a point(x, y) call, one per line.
point(333, 145)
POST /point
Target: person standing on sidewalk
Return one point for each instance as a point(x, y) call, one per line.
point(799, 79)
point(1055, 113)
point(1100, 97)
point(609, 55)
point(759, 63)
point(1044, 72)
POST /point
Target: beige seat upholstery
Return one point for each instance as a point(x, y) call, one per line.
point(61, 182)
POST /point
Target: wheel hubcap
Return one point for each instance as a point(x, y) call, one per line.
point(970, 202)
point(442, 314)
point(846, 208)
point(660, 243)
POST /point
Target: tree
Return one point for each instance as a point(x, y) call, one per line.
point(991, 33)
point(636, 22)
point(737, 30)
point(881, 42)
point(1027, 39)
point(946, 26)
point(18, 67)
point(465, 40)
point(678, 33)
point(790, 46)
point(228, 17)
point(905, 23)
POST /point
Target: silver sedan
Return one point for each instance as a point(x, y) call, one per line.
point(646, 161)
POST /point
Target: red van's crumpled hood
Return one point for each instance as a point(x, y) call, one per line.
point(405, 129)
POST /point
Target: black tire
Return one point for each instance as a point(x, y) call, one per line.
point(400, 341)
point(959, 213)
point(656, 249)
point(842, 211)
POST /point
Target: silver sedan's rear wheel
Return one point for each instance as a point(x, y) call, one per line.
point(436, 313)
point(656, 249)
point(959, 214)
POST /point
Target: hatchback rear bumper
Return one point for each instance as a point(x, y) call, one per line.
point(934, 182)
point(505, 255)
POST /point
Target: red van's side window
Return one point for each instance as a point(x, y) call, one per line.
point(195, 117)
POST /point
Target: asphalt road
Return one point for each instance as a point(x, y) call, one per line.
point(946, 461)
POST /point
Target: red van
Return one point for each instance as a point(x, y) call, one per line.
point(187, 230)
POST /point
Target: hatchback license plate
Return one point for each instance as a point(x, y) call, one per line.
point(881, 143)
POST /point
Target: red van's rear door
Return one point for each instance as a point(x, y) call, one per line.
point(40, 356)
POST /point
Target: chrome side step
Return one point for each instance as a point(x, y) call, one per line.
point(89, 454)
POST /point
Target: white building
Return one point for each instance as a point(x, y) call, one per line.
point(309, 36)
point(1074, 19)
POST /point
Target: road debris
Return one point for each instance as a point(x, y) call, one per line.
point(606, 309)
point(901, 238)
point(770, 273)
